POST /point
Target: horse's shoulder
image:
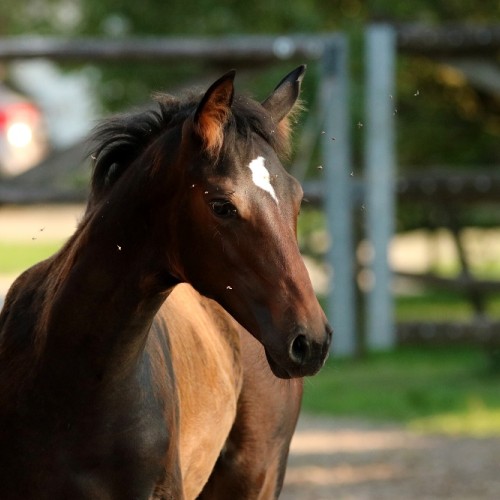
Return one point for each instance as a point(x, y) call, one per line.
point(205, 354)
point(187, 309)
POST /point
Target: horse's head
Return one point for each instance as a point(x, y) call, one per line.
point(235, 210)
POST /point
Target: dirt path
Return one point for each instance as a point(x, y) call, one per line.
point(39, 222)
point(345, 460)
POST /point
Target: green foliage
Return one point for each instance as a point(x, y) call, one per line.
point(432, 104)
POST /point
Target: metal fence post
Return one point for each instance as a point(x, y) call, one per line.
point(334, 94)
point(380, 49)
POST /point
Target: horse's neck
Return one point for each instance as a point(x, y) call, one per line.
point(108, 289)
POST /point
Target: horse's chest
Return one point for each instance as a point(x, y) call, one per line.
point(127, 456)
point(112, 454)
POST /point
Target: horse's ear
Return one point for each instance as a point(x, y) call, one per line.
point(285, 95)
point(213, 112)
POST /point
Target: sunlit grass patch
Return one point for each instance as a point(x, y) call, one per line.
point(15, 257)
point(478, 420)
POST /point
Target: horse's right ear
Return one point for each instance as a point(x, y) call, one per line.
point(213, 112)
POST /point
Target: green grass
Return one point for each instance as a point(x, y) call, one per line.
point(445, 390)
point(16, 257)
point(476, 420)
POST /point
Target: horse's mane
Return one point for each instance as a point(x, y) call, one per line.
point(117, 142)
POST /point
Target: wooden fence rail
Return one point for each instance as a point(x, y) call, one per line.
point(242, 49)
point(482, 333)
point(448, 40)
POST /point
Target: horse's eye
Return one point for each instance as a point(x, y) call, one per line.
point(223, 209)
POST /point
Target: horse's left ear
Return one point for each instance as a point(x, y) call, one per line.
point(213, 112)
point(285, 95)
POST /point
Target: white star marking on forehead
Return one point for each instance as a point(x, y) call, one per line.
point(261, 177)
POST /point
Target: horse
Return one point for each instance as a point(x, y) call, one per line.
point(160, 353)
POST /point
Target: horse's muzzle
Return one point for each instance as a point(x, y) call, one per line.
point(305, 356)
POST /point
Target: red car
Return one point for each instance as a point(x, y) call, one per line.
point(23, 142)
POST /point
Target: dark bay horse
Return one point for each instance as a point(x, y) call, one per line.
point(126, 366)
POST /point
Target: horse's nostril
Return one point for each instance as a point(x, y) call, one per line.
point(300, 349)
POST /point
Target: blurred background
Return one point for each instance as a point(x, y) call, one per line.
point(435, 366)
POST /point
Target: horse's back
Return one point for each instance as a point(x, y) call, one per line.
point(205, 351)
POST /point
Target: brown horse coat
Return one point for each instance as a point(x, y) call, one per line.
point(209, 350)
point(117, 381)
